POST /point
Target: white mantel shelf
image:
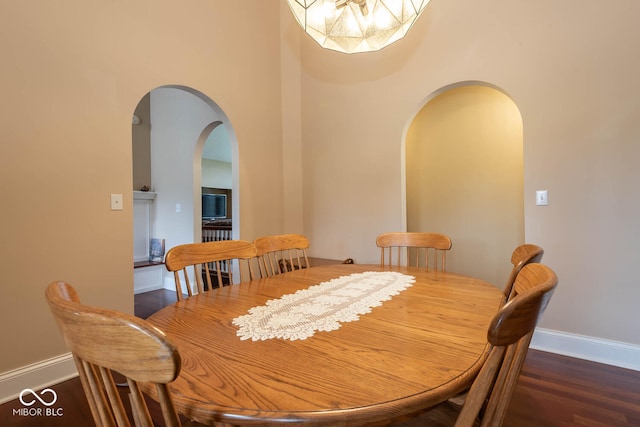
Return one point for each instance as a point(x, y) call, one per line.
point(144, 195)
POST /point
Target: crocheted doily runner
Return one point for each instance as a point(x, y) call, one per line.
point(321, 307)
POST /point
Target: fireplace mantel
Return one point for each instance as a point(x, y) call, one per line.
point(144, 195)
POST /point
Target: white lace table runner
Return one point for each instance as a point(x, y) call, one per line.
point(321, 307)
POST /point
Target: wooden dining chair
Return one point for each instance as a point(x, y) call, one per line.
point(210, 263)
point(521, 256)
point(104, 341)
point(281, 253)
point(509, 335)
point(418, 249)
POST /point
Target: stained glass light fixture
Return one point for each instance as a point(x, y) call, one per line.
point(353, 26)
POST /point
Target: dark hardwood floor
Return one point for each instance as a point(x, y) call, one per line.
point(561, 391)
point(147, 303)
point(553, 391)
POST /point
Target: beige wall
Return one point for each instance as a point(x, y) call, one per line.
point(465, 178)
point(73, 72)
point(571, 70)
point(292, 165)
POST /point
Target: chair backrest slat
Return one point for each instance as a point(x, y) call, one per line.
point(427, 250)
point(104, 341)
point(213, 260)
point(521, 256)
point(509, 334)
point(281, 253)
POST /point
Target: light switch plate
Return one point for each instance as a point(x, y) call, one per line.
point(116, 202)
point(542, 198)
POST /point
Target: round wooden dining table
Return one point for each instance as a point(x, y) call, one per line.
point(414, 350)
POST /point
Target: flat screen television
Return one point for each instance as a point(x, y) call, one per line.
point(214, 206)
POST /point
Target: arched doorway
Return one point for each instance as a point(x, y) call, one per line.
point(464, 177)
point(217, 184)
point(178, 121)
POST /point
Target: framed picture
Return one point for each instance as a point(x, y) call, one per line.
point(156, 250)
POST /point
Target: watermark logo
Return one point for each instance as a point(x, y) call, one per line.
point(47, 398)
point(54, 397)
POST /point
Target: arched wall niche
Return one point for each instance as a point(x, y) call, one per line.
point(463, 176)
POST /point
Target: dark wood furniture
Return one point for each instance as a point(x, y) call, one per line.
point(142, 264)
point(216, 230)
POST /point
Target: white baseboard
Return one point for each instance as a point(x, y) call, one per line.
point(36, 376)
point(143, 289)
point(615, 353)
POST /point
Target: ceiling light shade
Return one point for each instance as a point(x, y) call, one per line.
point(353, 26)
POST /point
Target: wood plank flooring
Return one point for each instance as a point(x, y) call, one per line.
point(561, 391)
point(553, 391)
